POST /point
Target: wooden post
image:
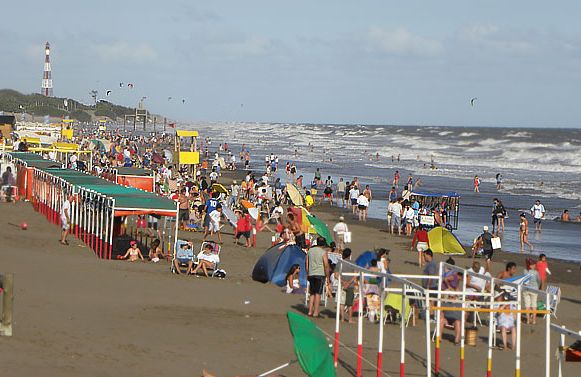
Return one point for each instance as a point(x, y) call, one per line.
point(7, 281)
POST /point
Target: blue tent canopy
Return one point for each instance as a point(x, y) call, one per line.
point(449, 194)
point(276, 262)
point(364, 260)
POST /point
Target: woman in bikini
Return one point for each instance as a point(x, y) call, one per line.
point(133, 254)
point(524, 233)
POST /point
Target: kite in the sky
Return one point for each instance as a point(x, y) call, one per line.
point(472, 101)
point(121, 85)
point(184, 100)
point(108, 93)
point(169, 98)
point(130, 86)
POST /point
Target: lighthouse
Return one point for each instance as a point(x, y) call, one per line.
point(46, 87)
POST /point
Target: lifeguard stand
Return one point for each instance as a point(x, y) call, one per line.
point(187, 153)
point(102, 125)
point(67, 129)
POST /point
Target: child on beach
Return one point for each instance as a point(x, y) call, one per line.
point(133, 253)
point(543, 270)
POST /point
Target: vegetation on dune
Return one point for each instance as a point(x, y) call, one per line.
point(39, 105)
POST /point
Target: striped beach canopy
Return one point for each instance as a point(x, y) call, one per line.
point(128, 200)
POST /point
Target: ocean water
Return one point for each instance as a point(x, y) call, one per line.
point(540, 164)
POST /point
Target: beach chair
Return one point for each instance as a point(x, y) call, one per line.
point(555, 298)
point(216, 248)
point(182, 256)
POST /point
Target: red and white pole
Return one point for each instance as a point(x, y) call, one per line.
point(360, 327)
point(338, 316)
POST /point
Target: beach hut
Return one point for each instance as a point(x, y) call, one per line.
point(187, 153)
point(98, 206)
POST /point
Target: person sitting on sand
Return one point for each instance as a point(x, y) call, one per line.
point(292, 280)
point(506, 323)
point(133, 253)
point(206, 260)
point(155, 252)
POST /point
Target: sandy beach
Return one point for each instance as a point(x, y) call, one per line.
point(78, 315)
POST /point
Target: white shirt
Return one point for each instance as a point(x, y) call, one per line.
point(213, 258)
point(215, 217)
point(340, 228)
point(353, 193)
point(538, 211)
point(396, 209)
point(66, 207)
point(341, 186)
point(213, 176)
point(409, 214)
point(477, 281)
point(235, 189)
point(363, 201)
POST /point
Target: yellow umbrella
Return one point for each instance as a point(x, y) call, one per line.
point(219, 188)
point(294, 194)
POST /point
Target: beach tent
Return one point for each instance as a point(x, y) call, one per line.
point(275, 263)
point(364, 260)
point(444, 242)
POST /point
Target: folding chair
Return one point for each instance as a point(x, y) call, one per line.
point(555, 298)
point(182, 256)
point(216, 248)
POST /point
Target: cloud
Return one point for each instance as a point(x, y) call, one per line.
point(401, 42)
point(492, 38)
point(249, 46)
point(125, 51)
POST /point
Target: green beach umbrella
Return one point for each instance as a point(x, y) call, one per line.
point(311, 347)
point(321, 228)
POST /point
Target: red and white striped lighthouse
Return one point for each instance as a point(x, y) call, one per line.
point(46, 87)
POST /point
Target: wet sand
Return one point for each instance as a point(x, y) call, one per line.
point(78, 315)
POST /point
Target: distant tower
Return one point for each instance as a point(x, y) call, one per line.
point(46, 87)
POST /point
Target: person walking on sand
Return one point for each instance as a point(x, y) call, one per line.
point(339, 231)
point(524, 233)
point(476, 184)
point(317, 267)
point(529, 297)
point(362, 206)
point(396, 178)
point(66, 219)
point(487, 250)
point(421, 242)
point(341, 186)
point(353, 195)
point(396, 213)
point(538, 212)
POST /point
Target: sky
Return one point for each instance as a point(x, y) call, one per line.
point(325, 61)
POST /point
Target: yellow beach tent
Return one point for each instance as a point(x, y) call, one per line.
point(444, 242)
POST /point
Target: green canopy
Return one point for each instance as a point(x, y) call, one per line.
point(311, 347)
point(321, 228)
point(128, 200)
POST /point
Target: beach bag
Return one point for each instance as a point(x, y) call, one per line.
point(347, 237)
point(220, 274)
point(495, 243)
